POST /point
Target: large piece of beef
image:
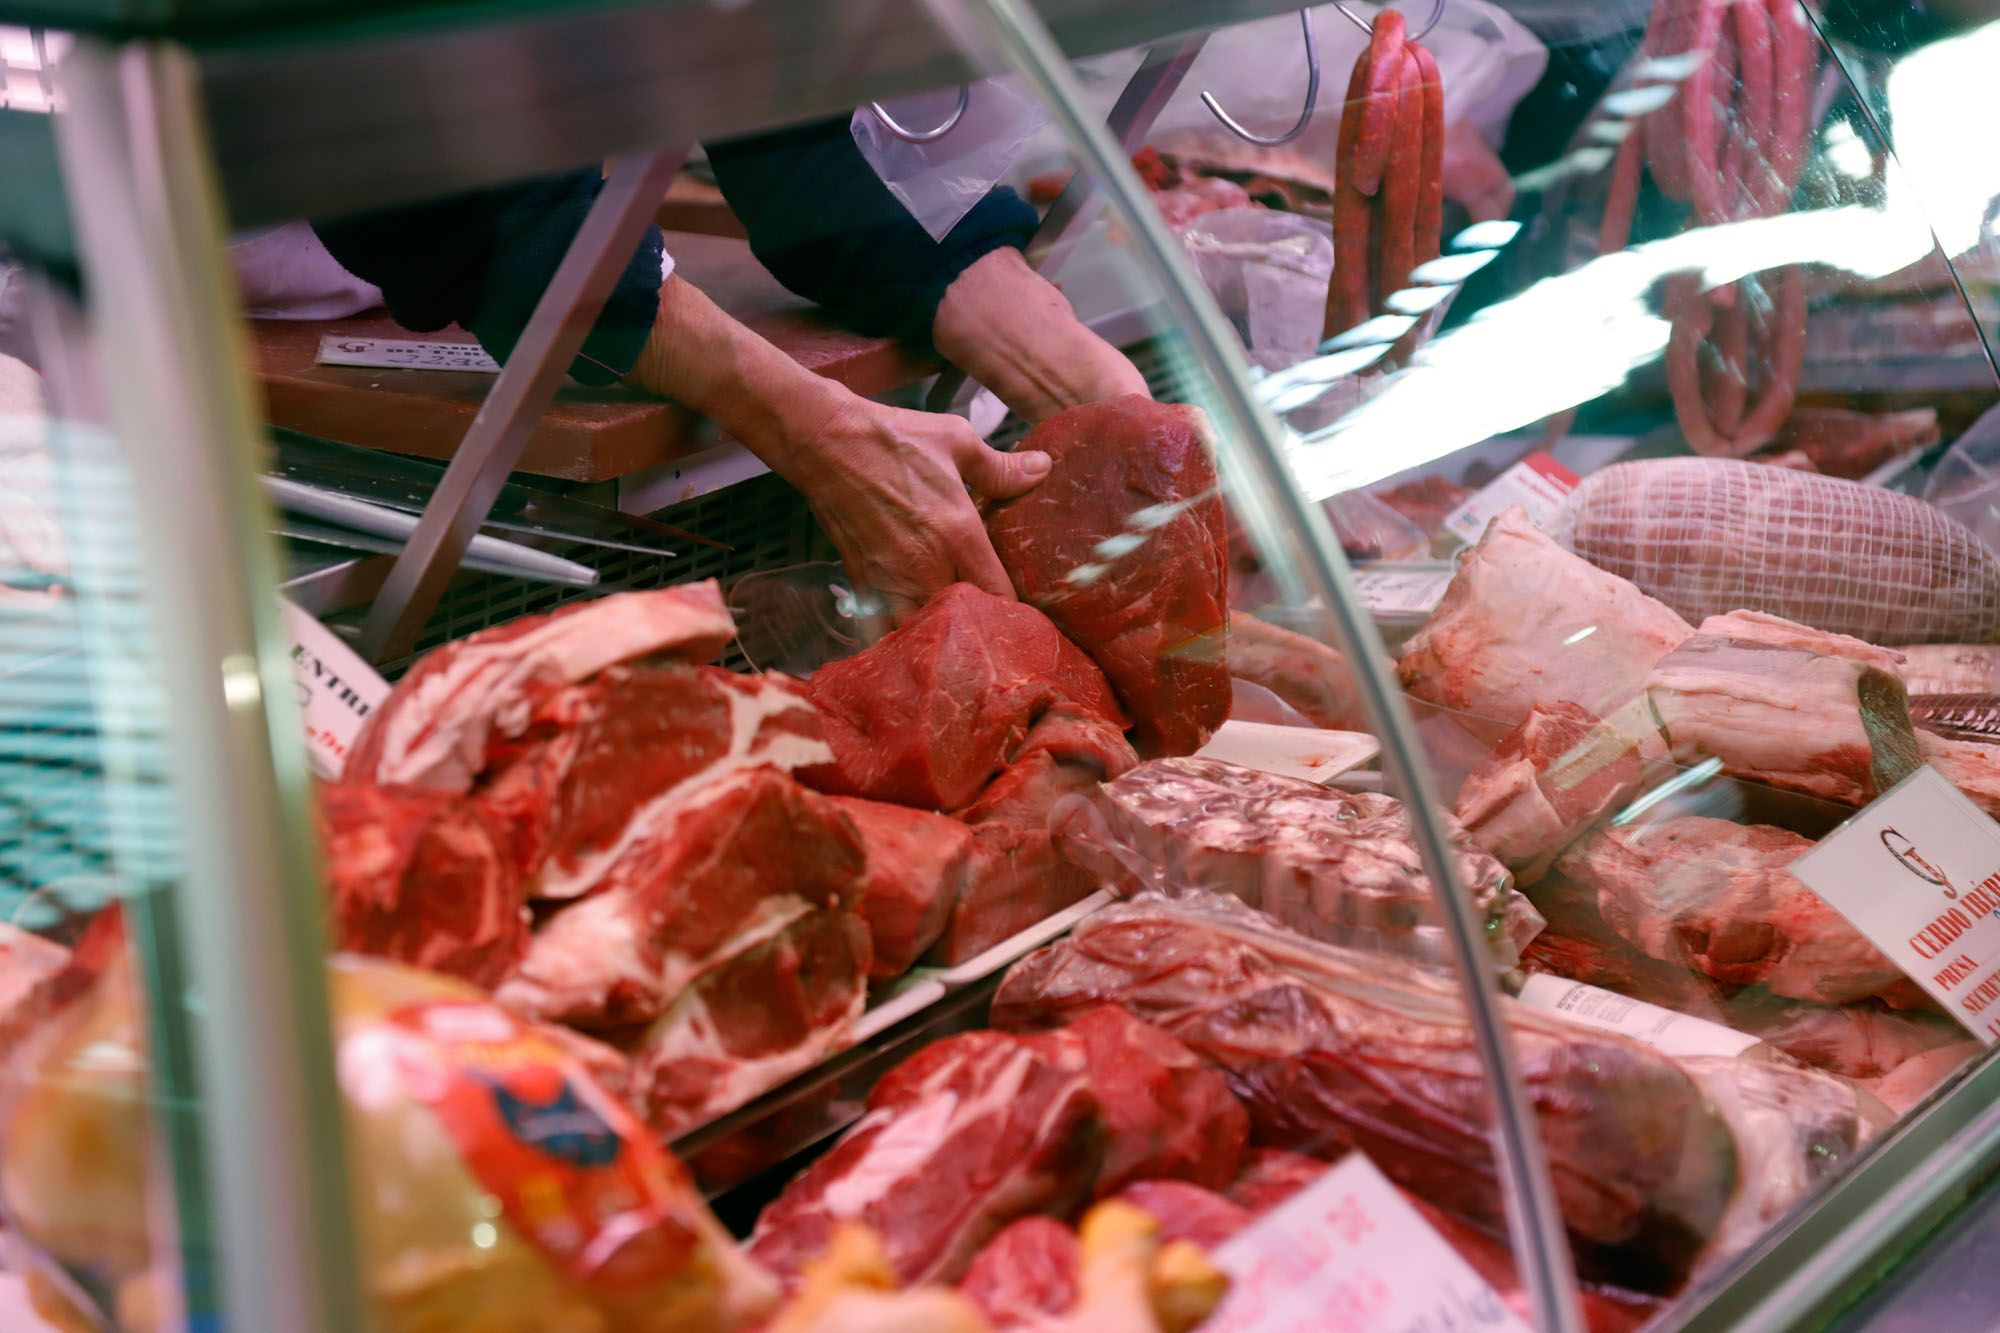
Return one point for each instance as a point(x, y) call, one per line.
point(1332, 1049)
point(1524, 622)
point(1718, 897)
point(440, 724)
point(1017, 875)
point(421, 877)
point(980, 1129)
point(932, 712)
point(1123, 545)
point(1333, 865)
point(917, 868)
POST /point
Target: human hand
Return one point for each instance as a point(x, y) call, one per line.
point(890, 488)
point(1475, 176)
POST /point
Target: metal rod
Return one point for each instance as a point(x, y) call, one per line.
point(140, 176)
point(1139, 104)
point(1263, 482)
point(1437, 16)
point(527, 385)
point(1305, 116)
point(908, 135)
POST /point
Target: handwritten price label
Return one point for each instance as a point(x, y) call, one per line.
point(1348, 1254)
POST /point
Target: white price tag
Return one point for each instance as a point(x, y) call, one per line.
point(1348, 1254)
point(1394, 591)
point(1662, 1029)
point(1918, 873)
point(1537, 483)
point(337, 689)
point(405, 354)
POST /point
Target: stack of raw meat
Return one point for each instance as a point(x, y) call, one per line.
point(1606, 693)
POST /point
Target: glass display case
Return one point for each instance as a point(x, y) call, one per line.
point(986, 664)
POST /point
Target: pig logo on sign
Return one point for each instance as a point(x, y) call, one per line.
point(1910, 859)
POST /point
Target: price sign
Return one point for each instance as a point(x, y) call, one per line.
point(1608, 1011)
point(337, 689)
point(1537, 483)
point(405, 354)
point(1918, 873)
point(1348, 1254)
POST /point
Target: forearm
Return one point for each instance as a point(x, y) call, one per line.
point(708, 362)
point(1010, 329)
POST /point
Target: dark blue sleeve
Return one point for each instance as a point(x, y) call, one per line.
point(482, 260)
point(827, 227)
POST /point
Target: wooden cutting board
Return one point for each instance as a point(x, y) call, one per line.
point(588, 434)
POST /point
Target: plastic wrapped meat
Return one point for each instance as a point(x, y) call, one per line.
point(1123, 545)
point(1794, 1130)
point(1524, 623)
point(1305, 673)
point(1950, 668)
point(496, 1185)
point(1718, 897)
point(1333, 865)
point(1710, 535)
point(1332, 1049)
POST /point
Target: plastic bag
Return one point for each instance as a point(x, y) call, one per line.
point(1966, 481)
point(1268, 272)
point(940, 181)
point(799, 618)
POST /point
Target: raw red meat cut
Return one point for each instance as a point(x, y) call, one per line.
point(979, 1129)
point(1187, 1212)
point(1547, 781)
point(1018, 876)
point(932, 712)
point(436, 726)
point(421, 877)
point(1026, 1274)
point(1335, 866)
point(1304, 672)
point(1717, 897)
point(1168, 1115)
point(1272, 1175)
point(1916, 1078)
point(1848, 444)
point(1196, 198)
point(1524, 623)
point(715, 876)
point(1123, 545)
point(1330, 1048)
point(1427, 501)
point(599, 761)
point(917, 868)
point(963, 1137)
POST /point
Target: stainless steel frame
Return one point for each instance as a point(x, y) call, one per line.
point(142, 188)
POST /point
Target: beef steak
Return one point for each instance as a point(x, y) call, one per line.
point(1123, 545)
point(917, 867)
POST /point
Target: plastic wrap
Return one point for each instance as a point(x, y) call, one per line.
point(940, 181)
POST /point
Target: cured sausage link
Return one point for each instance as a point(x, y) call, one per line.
point(1430, 189)
point(1378, 113)
point(1396, 206)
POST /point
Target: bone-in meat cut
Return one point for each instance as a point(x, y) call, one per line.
point(421, 877)
point(1332, 1049)
point(438, 726)
point(1718, 897)
point(977, 1130)
point(1124, 546)
point(932, 712)
point(1335, 866)
point(1712, 535)
point(1524, 622)
point(917, 868)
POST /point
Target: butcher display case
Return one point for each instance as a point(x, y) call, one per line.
point(1173, 666)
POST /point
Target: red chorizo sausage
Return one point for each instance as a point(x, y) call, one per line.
point(1788, 364)
point(1729, 386)
point(1396, 206)
point(1703, 98)
point(1347, 290)
point(1623, 200)
point(1430, 188)
point(1755, 126)
point(1688, 311)
point(1378, 114)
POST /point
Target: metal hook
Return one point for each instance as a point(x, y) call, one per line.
point(1305, 116)
point(1437, 16)
point(924, 136)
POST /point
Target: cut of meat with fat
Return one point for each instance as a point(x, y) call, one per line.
point(1547, 781)
point(735, 865)
point(1336, 866)
point(421, 877)
point(1951, 668)
point(1017, 875)
point(917, 868)
point(1123, 544)
point(438, 725)
point(1313, 678)
point(1331, 1049)
point(602, 759)
point(748, 1023)
point(931, 713)
point(977, 1130)
point(1719, 897)
point(1524, 622)
point(1026, 1275)
point(1917, 1077)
